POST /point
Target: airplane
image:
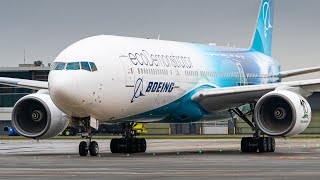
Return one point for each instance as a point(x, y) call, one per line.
point(124, 80)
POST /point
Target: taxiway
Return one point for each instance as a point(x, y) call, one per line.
point(164, 159)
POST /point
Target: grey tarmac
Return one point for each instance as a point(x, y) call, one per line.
point(164, 159)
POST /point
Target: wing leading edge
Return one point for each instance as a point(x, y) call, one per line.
point(296, 72)
point(29, 84)
point(225, 98)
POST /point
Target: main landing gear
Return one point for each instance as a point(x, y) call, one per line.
point(128, 143)
point(253, 144)
point(258, 142)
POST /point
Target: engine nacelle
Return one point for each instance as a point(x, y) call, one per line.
point(282, 113)
point(35, 116)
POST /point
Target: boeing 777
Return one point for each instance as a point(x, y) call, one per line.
point(121, 80)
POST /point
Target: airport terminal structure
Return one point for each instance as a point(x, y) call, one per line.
point(10, 95)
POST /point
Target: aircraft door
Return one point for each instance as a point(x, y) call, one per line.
point(129, 71)
point(242, 76)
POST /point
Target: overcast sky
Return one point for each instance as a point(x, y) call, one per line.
point(45, 27)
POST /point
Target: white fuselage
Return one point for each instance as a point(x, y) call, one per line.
point(136, 76)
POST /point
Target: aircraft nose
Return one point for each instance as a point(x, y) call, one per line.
point(63, 89)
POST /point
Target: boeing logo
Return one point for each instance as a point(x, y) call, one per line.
point(266, 18)
point(160, 87)
point(152, 87)
point(138, 88)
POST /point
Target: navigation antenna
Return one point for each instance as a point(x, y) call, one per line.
point(24, 56)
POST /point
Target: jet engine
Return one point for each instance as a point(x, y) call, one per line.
point(35, 116)
point(282, 113)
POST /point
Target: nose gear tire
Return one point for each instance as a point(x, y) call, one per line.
point(83, 151)
point(94, 148)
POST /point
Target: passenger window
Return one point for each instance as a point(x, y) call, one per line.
point(73, 66)
point(93, 66)
point(60, 66)
point(85, 66)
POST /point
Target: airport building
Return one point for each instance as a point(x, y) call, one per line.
point(10, 95)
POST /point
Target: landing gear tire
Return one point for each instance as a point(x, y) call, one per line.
point(94, 148)
point(114, 145)
point(128, 145)
point(248, 144)
point(83, 151)
point(258, 141)
point(139, 148)
point(263, 144)
point(267, 144)
point(143, 144)
point(271, 144)
point(244, 144)
point(134, 145)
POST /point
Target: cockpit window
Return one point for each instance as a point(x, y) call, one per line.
point(60, 66)
point(53, 66)
point(85, 66)
point(93, 66)
point(88, 66)
point(73, 66)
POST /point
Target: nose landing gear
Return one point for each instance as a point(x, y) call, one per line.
point(91, 146)
point(88, 146)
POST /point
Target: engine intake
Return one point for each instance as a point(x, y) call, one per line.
point(35, 116)
point(282, 113)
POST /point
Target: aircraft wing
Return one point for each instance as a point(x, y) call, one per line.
point(224, 98)
point(297, 72)
point(30, 84)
